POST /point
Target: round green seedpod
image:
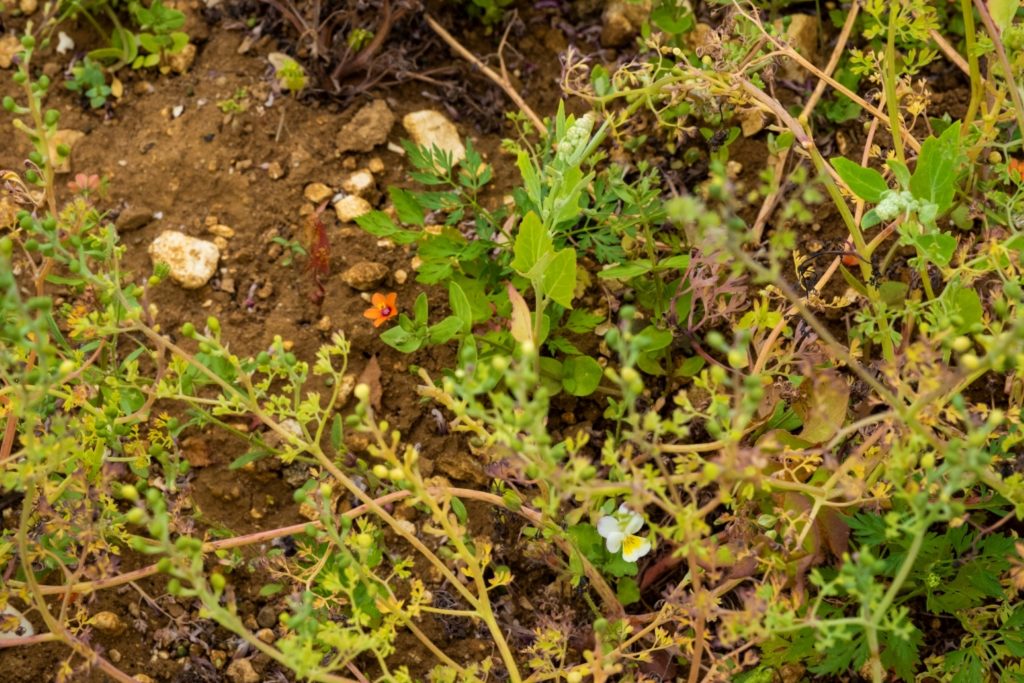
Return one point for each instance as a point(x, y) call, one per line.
point(31, 176)
point(51, 117)
point(19, 78)
point(63, 150)
point(9, 103)
point(28, 41)
point(44, 82)
point(129, 492)
point(136, 516)
point(188, 330)
point(35, 157)
point(218, 582)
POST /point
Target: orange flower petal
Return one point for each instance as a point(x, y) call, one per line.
point(391, 300)
point(379, 321)
point(371, 313)
point(378, 300)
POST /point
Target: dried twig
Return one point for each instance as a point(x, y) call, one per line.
point(500, 81)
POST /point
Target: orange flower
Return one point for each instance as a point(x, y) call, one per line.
point(384, 308)
point(1015, 165)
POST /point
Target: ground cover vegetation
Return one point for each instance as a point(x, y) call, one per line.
point(806, 380)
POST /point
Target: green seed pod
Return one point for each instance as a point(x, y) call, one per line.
point(28, 41)
point(9, 103)
point(52, 117)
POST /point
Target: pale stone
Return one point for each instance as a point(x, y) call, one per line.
point(107, 622)
point(359, 183)
point(351, 207)
point(28, 6)
point(192, 261)
point(430, 128)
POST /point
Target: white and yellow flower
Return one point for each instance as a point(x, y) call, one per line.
point(619, 533)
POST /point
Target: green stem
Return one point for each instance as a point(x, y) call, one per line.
point(889, 78)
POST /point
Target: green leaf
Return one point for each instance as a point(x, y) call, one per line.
point(445, 330)
point(581, 321)
point(1003, 12)
point(967, 305)
point(627, 591)
point(460, 510)
point(551, 374)
point(377, 223)
point(243, 460)
point(900, 171)
point(866, 183)
point(460, 305)
point(937, 248)
point(893, 292)
point(532, 243)
point(271, 589)
point(408, 209)
point(581, 375)
point(626, 271)
point(678, 262)
point(337, 434)
point(558, 281)
point(934, 178)
point(401, 340)
point(420, 310)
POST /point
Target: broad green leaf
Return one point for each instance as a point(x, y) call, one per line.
point(377, 223)
point(679, 262)
point(968, 306)
point(937, 248)
point(934, 178)
point(558, 282)
point(532, 243)
point(401, 340)
point(866, 183)
point(1002, 12)
point(420, 310)
point(460, 305)
point(551, 375)
point(626, 271)
point(581, 375)
point(627, 591)
point(408, 209)
point(446, 329)
point(900, 171)
point(893, 292)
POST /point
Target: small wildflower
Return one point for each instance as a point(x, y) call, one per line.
point(384, 308)
point(1015, 166)
point(84, 183)
point(619, 532)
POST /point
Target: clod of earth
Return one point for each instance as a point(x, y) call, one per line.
point(802, 34)
point(317, 192)
point(365, 275)
point(429, 128)
point(242, 671)
point(66, 137)
point(133, 218)
point(368, 128)
point(622, 21)
point(192, 261)
point(9, 47)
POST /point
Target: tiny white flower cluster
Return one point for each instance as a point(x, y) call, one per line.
point(895, 203)
point(574, 143)
point(619, 533)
